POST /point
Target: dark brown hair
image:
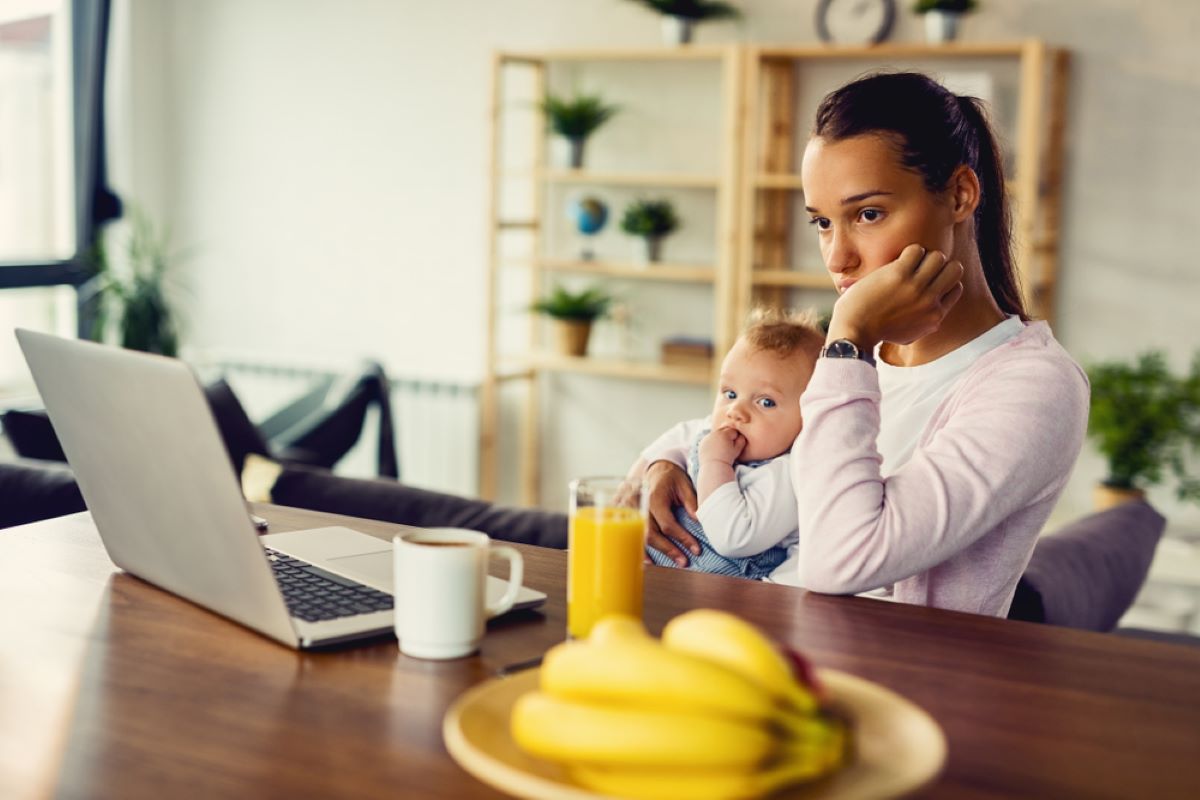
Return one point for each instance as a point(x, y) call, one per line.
point(934, 132)
point(783, 333)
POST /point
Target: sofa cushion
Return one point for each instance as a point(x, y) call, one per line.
point(390, 501)
point(31, 490)
point(1087, 574)
point(31, 435)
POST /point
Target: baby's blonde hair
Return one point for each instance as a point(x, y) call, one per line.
point(784, 332)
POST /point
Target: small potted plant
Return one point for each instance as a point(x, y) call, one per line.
point(941, 17)
point(679, 17)
point(651, 220)
point(573, 314)
point(1144, 420)
point(130, 292)
point(576, 118)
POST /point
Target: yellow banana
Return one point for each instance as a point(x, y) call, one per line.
point(738, 645)
point(647, 783)
point(643, 673)
point(583, 733)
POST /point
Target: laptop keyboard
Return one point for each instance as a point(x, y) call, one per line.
point(316, 595)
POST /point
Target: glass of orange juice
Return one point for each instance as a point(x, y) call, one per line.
point(605, 552)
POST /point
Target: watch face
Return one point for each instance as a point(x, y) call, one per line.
point(841, 348)
point(855, 21)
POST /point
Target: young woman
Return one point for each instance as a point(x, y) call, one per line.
point(940, 424)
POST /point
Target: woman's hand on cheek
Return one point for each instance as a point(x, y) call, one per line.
point(900, 302)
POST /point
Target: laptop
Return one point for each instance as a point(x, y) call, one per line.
point(151, 465)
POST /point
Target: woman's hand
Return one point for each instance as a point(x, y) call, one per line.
point(900, 302)
point(668, 486)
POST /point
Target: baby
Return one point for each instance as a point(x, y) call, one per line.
point(737, 457)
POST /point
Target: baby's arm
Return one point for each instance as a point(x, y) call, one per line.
point(753, 513)
point(719, 450)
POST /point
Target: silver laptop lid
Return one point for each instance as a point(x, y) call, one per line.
point(140, 437)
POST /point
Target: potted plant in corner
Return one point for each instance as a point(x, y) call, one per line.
point(651, 220)
point(576, 118)
point(573, 314)
point(130, 295)
point(942, 16)
point(1144, 420)
point(679, 17)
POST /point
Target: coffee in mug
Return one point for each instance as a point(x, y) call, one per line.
point(440, 590)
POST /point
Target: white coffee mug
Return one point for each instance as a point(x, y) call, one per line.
point(440, 590)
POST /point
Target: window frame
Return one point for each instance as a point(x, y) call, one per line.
point(89, 48)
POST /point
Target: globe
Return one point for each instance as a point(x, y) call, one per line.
point(589, 215)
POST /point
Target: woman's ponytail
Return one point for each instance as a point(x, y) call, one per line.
point(993, 222)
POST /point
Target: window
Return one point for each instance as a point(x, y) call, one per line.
point(52, 191)
point(37, 197)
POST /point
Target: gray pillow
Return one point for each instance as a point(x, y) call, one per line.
point(1087, 574)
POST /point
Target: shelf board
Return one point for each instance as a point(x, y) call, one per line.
point(681, 273)
point(663, 179)
point(700, 374)
point(689, 53)
point(893, 51)
point(789, 277)
point(777, 180)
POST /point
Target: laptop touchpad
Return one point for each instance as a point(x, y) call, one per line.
point(373, 569)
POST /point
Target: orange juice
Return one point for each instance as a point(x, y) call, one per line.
point(604, 566)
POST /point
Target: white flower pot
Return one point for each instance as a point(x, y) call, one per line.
point(676, 30)
point(941, 26)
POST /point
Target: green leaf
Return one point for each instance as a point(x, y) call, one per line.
point(1145, 421)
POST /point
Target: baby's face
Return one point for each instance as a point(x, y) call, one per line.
point(759, 397)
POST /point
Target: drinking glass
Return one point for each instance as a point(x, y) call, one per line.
point(605, 557)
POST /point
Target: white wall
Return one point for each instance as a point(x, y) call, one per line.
point(324, 161)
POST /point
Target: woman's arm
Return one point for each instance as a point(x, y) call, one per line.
point(1008, 438)
point(751, 514)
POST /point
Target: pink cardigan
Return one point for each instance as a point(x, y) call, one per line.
point(953, 527)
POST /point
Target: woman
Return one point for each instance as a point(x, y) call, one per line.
point(940, 424)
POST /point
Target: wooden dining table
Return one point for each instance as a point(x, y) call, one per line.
point(112, 688)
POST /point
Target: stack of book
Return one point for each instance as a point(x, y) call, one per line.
point(686, 350)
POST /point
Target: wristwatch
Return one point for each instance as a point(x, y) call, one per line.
point(844, 348)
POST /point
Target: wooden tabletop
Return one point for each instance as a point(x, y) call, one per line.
point(111, 688)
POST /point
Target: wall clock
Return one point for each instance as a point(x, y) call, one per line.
point(855, 21)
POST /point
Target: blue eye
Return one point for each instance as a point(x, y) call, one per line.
point(767, 402)
point(729, 394)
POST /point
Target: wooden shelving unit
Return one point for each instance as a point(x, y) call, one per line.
point(756, 188)
point(771, 138)
point(536, 360)
point(670, 273)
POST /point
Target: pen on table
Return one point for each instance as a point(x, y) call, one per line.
point(518, 666)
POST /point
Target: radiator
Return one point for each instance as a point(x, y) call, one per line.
point(436, 421)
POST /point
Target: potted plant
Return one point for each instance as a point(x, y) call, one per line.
point(679, 17)
point(1144, 420)
point(573, 314)
point(941, 17)
point(130, 295)
point(651, 220)
point(575, 118)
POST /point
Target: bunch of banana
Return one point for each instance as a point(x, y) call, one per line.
point(713, 710)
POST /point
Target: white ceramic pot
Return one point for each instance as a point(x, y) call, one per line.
point(941, 26)
point(676, 30)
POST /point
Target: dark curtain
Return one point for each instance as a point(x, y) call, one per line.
point(95, 202)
